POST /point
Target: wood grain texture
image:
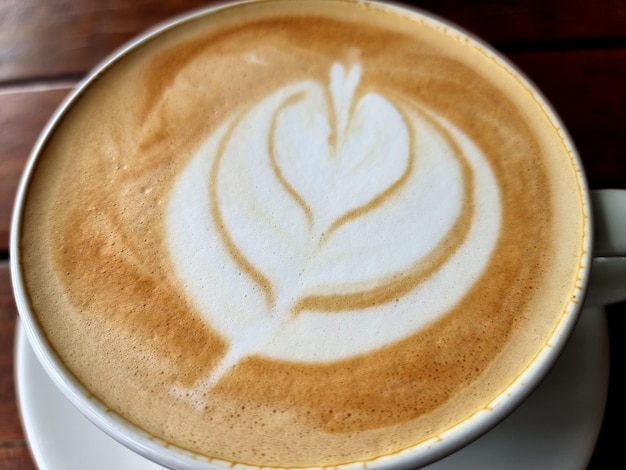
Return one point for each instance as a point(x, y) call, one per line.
point(16, 457)
point(53, 38)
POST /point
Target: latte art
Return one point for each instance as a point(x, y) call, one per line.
point(302, 233)
point(298, 223)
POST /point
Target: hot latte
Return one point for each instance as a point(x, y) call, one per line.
point(302, 233)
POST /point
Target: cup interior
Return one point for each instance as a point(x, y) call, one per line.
point(173, 456)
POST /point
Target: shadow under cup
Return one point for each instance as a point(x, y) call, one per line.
point(187, 256)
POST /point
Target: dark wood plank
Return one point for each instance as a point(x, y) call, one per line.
point(23, 113)
point(588, 91)
point(16, 457)
point(11, 434)
point(534, 22)
point(51, 38)
point(54, 38)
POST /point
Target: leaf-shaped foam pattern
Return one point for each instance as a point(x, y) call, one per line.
point(325, 221)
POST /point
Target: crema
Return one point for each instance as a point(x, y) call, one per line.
point(302, 233)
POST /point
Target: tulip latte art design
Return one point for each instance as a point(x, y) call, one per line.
point(340, 213)
point(302, 233)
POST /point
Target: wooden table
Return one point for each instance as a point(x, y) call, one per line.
point(573, 49)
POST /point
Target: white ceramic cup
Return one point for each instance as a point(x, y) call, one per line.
point(607, 284)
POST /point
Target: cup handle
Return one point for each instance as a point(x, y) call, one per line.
point(607, 281)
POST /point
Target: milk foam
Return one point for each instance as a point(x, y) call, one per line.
point(212, 261)
point(306, 196)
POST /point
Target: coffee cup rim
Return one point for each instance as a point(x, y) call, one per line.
point(173, 456)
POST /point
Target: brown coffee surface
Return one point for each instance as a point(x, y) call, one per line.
point(103, 282)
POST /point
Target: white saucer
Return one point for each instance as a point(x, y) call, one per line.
point(556, 428)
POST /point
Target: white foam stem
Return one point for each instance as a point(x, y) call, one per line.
point(342, 88)
point(249, 341)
